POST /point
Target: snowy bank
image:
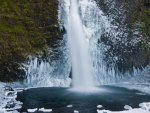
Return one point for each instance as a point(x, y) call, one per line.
point(8, 103)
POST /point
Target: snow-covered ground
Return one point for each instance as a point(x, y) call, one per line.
point(8, 103)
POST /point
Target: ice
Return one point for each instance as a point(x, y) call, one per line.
point(9, 111)
point(8, 102)
point(140, 93)
point(127, 107)
point(99, 106)
point(45, 110)
point(13, 105)
point(11, 94)
point(103, 111)
point(145, 106)
point(48, 73)
point(75, 111)
point(32, 110)
point(129, 111)
point(69, 106)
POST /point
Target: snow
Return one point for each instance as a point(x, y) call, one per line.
point(69, 106)
point(8, 103)
point(99, 106)
point(45, 110)
point(32, 110)
point(127, 107)
point(144, 108)
point(137, 110)
point(75, 111)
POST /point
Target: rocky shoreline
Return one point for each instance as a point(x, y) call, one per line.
point(8, 102)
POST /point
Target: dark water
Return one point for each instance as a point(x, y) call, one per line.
point(111, 97)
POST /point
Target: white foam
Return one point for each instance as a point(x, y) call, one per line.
point(87, 90)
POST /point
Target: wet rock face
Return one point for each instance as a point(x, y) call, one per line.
point(147, 3)
point(26, 28)
point(130, 47)
point(122, 11)
point(70, 74)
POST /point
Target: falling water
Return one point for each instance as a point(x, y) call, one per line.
point(90, 23)
point(85, 23)
point(81, 67)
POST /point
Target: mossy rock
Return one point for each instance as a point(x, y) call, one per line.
point(27, 27)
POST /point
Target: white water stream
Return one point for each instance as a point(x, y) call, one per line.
point(80, 58)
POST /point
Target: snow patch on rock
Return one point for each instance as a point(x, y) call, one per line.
point(8, 102)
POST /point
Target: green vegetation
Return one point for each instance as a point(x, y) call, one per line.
point(26, 28)
point(145, 19)
point(142, 15)
point(139, 19)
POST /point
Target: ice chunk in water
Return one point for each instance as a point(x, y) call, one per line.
point(99, 106)
point(32, 110)
point(75, 111)
point(69, 106)
point(45, 110)
point(127, 107)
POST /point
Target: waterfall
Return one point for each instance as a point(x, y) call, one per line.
point(81, 66)
point(81, 48)
point(94, 23)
